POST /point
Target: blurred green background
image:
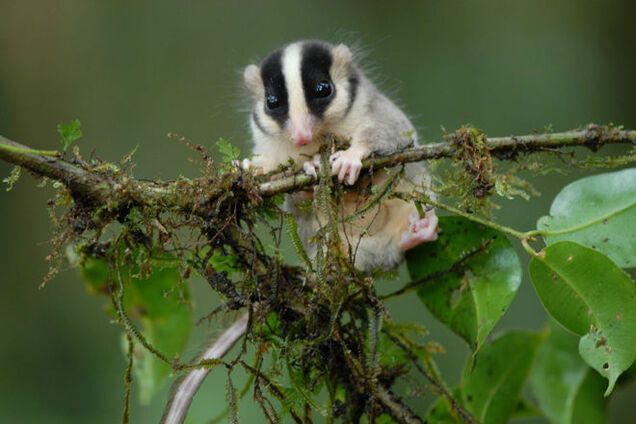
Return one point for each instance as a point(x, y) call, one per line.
point(134, 71)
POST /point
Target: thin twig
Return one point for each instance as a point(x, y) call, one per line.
point(273, 388)
point(394, 405)
point(128, 379)
point(396, 408)
point(439, 385)
point(125, 320)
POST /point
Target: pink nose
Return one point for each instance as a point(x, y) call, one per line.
point(302, 140)
point(301, 130)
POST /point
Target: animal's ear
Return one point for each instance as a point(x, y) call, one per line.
point(342, 61)
point(253, 81)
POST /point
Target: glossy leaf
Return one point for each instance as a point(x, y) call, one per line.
point(567, 390)
point(599, 212)
point(491, 390)
point(468, 277)
point(592, 297)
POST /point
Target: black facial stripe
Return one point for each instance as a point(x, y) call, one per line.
point(274, 82)
point(353, 92)
point(259, 125)
point(315, 65)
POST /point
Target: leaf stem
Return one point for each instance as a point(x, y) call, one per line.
point(528, 248)
point(420, 209)
point(478, 219)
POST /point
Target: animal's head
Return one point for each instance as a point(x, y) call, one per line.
point(302, 89)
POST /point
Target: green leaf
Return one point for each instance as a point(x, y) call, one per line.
point(228, 152)
point(224, 263)
point(630, 374)
point(468, 277)
point(441, 412)
point(94, 272)
point(526, 410)
point(491, 391)
point(568, 391)
point(69, 133)
point(592, 297)
point(590, 406)
point(160, 304)
point(163, 309)
point(597, 211)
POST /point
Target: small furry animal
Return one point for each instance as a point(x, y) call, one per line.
point(309, 89)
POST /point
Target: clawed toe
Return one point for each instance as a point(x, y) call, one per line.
point(346, 166)
point(310, 169)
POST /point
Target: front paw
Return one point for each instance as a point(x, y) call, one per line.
point(311, 166)
point(249, 166)
point(346, 164)
point(420, 230)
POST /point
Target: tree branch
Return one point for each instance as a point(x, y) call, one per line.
point(593, 137)
point(396, 408)
point(101, 187)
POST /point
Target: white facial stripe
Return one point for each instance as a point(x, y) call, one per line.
point(292, 58)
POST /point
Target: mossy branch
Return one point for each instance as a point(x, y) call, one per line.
point(226, 227)
point(197, 195)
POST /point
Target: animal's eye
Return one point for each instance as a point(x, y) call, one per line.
point(323, 89)
point(272, 101)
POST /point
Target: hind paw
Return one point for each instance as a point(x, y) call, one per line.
point(420, 230)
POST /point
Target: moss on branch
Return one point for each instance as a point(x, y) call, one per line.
point(198, 195)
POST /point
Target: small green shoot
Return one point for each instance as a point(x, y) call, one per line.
point(69, 133)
